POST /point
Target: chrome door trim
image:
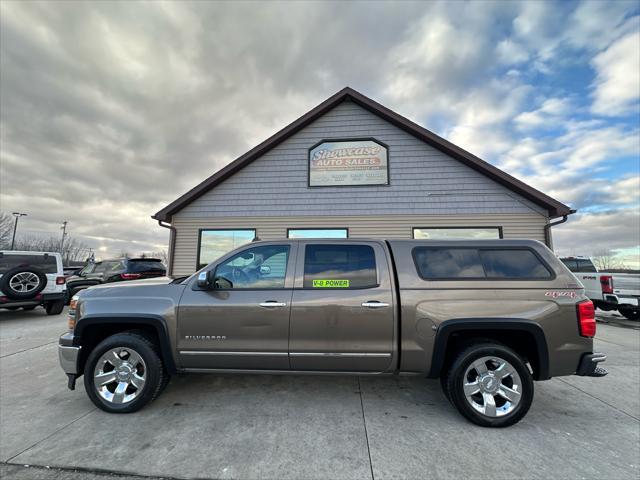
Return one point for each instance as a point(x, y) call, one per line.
point(208, 352)
point(330, 354)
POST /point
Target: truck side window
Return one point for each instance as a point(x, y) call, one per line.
point(479, 263)
point(513, 264)
point(257, 267)
point(339, 266)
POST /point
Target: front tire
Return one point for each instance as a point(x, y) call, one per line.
point(490, 385)
point(124, 373)
point(55, 307)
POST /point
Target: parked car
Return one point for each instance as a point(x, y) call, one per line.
point(607, 291)
point(487, 317)
point(117, 270)
point(32, 279)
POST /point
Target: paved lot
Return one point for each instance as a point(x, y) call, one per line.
point(299, 427)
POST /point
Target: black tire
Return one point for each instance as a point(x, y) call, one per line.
point(155, 373)
point(455, 379)
point(55, 307)
point(6, 288)
point(630, 312)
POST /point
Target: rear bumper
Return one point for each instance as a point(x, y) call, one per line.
point(588, 366)
point(619, 300)
point(39, 299)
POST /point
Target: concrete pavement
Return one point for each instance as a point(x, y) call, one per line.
point(299, 427)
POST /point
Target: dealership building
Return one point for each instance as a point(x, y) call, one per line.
point(352, 168)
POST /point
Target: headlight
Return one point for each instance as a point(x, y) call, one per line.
point(71, 320)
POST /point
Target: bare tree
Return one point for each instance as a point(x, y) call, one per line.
point(6, 230)
point(605, 260)
point(74, 250)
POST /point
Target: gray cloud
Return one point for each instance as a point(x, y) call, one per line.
point(110, 110)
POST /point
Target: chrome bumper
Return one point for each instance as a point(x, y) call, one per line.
point(68, 356)
point(589, 365)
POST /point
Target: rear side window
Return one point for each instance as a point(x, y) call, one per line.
point(44, 263)
point(570, 264)
point(585, 265)
point(475, 263)
point(339, 266)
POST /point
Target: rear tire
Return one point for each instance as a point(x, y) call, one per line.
point(490, 385)
point(138, 374)
point(55, 307)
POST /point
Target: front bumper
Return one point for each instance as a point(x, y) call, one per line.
point(69, 356)
point(588, 366)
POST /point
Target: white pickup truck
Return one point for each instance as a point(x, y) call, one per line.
point(607, 291)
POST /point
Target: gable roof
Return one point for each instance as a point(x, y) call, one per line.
point(554, 207)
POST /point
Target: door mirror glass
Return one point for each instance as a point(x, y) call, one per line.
point(265, 269)
point(203, 280)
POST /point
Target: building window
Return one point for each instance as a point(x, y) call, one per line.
point(213, 244)
point(317, 233)
point(457, 233)
point(435, 263)
point(339, 266)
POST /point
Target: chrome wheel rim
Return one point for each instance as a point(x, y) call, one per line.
point(120, 375)
point(492, 386)
point(24, 282)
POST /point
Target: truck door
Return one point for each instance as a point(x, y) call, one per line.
point(342, 314)
point(243, 324)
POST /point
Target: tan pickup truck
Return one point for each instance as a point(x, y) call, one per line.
point(486, 317)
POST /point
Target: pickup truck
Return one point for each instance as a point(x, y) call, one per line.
point(607, 291)
point(486, 317)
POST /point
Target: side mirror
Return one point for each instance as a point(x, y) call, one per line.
point(265, 269)
point(203, 281)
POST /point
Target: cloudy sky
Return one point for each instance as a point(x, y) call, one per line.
point(109, 111)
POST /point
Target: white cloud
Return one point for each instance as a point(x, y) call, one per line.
point(550, 108)
point(617, 85)
point(511, 53)
point(587, 233)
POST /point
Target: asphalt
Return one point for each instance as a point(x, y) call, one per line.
point(305, 427)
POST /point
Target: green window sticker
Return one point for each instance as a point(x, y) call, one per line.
point(330, 284)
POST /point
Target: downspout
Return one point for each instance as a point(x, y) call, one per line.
point(172, 244)
point(547, 227)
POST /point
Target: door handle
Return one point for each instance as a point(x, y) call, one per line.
point(375, 304)
point(272, 303)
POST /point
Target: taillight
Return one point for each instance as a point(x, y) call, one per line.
point(130, 276)
point(61, 280)
point(586, 318)
point(606, 281)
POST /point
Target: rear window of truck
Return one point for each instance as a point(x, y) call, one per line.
point(339, 266)
point(441, 263)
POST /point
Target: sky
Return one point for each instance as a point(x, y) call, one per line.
point(109, 111)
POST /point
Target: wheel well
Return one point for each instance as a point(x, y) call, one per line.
point(92, 335)
point(524, 343)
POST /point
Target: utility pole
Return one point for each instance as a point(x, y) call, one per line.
point(64, 233)
point(15, 226)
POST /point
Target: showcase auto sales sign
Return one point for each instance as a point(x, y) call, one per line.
point(356, 162)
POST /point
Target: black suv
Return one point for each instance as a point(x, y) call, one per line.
point(117, 270)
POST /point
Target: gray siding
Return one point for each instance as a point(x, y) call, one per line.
point(423, 179)
point(529, 226)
